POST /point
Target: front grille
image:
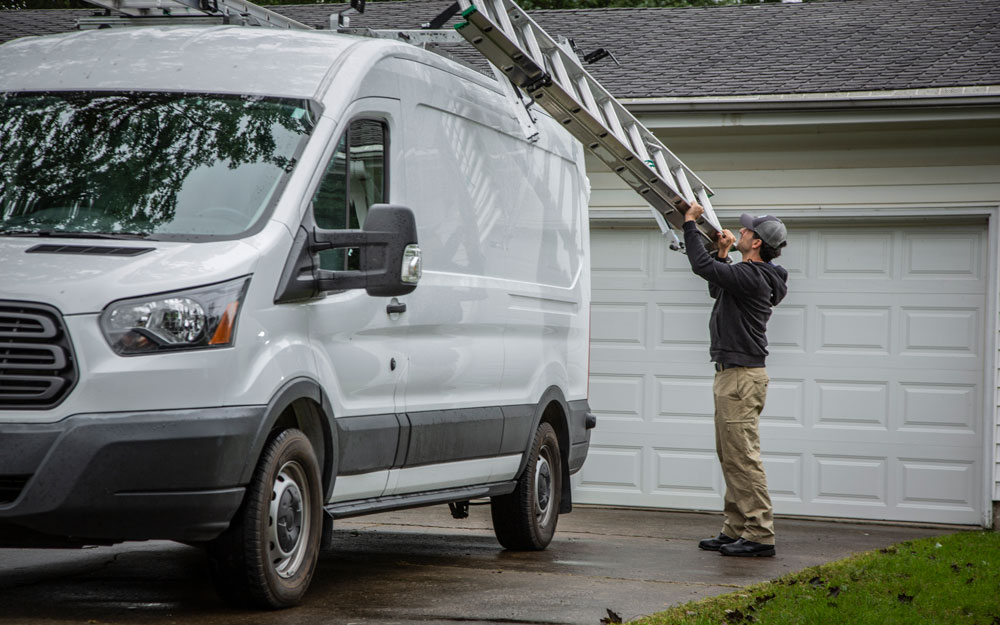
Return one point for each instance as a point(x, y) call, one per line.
point(11, 487)
point(37, 368)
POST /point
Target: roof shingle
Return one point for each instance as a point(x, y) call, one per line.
point(818, 47)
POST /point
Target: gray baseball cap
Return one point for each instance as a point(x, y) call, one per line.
point(768, 228)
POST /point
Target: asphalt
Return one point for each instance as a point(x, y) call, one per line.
point(422, 566)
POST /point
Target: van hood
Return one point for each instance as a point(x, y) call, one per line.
point(80, 276)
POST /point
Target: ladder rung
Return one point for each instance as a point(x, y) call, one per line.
point(638, 144)
point(559, 69)
point(588, 96)
point(527, 35)
point(498, 13)
point(664, 169)
point(608, 108)
point(686, 192)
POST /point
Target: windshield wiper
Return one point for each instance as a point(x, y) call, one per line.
point(72, 235)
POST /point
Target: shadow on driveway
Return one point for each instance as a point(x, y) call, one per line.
point(422, 566)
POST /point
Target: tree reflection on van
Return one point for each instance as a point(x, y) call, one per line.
point(144, 163)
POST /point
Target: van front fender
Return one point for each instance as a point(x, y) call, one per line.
point(299, 403)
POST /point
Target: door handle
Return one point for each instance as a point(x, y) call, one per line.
point(395, 307)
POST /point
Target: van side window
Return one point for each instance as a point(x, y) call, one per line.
point(353, 182)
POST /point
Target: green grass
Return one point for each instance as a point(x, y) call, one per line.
point(932, 581)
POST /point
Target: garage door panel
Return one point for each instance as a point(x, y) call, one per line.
point(612, 469)
point(856, 255)
point(875, 405)
point(786, 331)
point(952, 332)
point(933, 407)
point(618, 397)
point(619, 325)
point(682, 327)
point(623, 253)
point(784, 476)
point(684, 397)
point(956, 256)
point(853, 330)
point(687, 472)
point(855, 405)
point(850, 479)
point(796, 257)
point(785, 404)
point(937, 484)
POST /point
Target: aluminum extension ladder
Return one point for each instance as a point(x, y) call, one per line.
point(551, 73)
point(523, 57)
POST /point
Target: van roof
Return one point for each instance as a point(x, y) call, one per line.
point(217, 59)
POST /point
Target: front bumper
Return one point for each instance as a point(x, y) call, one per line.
point(175, 474)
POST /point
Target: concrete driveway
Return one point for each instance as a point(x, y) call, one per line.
point(421, 566)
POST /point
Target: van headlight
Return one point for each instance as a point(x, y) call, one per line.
point(193, 319)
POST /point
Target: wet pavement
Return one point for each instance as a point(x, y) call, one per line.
point(422, 567)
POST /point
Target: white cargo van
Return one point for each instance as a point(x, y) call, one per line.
point(255, 280)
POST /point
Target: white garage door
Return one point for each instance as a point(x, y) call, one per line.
point(875, 404)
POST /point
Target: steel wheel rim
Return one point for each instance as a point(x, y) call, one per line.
point(288, 522)
point(543, 486)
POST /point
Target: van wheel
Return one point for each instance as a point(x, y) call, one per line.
point(525, 520)
point(268, 555)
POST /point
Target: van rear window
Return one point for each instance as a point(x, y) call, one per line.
point(157, 165)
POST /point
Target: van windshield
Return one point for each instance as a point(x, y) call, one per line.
point(157, 165)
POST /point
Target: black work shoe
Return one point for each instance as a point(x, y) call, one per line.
point(713, 544)
point(747, 549)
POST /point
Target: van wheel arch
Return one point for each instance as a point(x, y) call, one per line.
point(300, 404)
point(553, 409)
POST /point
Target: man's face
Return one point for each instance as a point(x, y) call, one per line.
point(745, 244)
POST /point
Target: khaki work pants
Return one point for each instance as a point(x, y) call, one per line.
point(739, 398)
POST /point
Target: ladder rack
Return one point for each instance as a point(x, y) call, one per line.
point(233, 11)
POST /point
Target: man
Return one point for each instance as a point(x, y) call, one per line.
point(744, 294)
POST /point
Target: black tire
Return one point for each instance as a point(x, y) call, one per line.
point(267, 557)
point(525, 520)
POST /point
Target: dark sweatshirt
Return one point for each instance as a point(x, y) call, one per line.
point(744, 294)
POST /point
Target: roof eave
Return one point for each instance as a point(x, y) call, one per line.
point(985, 95)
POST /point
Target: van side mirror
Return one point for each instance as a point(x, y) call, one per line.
point(390, 257)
